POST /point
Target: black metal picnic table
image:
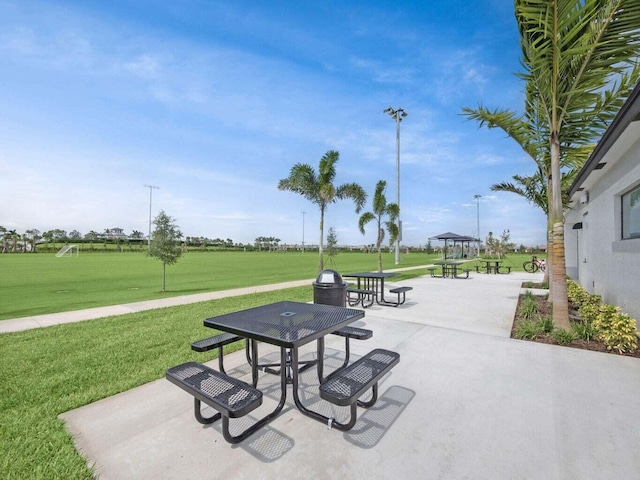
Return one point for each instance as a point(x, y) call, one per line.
point(374, 281)
point(288, 325)
point(492, 265)
point(449, 267)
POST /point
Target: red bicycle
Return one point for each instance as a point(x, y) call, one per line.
point(534, 265)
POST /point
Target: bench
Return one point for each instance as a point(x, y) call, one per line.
point(432, 271)
point(343, 387)
point(354, 333)
point(508, 269)
point(217, 341)
point(232, 398)
point(466, 270)
point(361, 295)
point(399, 291)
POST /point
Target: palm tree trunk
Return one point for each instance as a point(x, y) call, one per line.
point(558, 292)
point(379, 245)
point(547, 272)
point(320, 247)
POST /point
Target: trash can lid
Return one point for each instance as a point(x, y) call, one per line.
point(329, 277)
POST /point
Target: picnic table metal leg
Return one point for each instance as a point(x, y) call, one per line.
point(320, 355)
point(263, 421)
point(330, 422)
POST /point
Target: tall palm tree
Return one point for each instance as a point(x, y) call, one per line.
point(581, 64)
point(318, 188)
point(381, 209)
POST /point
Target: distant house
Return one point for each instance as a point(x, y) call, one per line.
point(602, 228)
point(116, 233)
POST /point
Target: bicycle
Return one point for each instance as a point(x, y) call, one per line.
point(534, 265)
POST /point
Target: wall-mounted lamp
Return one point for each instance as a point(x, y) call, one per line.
point(584, 198)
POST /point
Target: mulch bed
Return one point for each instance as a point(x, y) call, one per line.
point(544, 309)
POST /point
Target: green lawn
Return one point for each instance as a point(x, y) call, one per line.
point(42, 283)
point(48, 371)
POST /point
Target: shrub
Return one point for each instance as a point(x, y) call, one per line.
point(584, 330)
point(579, 297)
point(530, 329)
point(527, 330)
point(546, 324)
point(616, 330)
point(560, 335)
point(528, 308)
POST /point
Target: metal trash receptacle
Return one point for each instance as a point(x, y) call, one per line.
point(329, 289)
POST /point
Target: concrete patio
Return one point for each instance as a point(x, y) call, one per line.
point(465, 402)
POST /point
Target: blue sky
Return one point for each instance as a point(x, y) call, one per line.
point(215, 101)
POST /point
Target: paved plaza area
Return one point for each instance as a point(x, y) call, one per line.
point(465, 402)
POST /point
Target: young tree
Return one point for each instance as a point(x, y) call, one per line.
point(332, 247)
point(319, 189)
point(165, 242)
point(381, 209)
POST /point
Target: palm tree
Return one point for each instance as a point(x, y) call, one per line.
point(381, 209)
point(581, 64)
point(573, 53)
point(319, 189)
point(33, 236)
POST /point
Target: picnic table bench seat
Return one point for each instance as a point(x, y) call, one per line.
point(232, 398)
point(217, 341)
point(344, 386)
point(401, 291)
point(361, 294)
point(355, 333)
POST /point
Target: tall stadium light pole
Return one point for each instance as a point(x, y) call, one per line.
point(397, 115)
point(150, 187)
point(477, 197)
point(303, 231)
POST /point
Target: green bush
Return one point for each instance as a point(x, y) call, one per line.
point(530, 329)
point(617, 330)
point(584, 330)
point(579, 297)
point(528, 308)
point(527, 330)
point(546, 324)
point(563, 337)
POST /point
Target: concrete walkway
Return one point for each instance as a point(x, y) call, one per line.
point(465, 402)
point(47, 320)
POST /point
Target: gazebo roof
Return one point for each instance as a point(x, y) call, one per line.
point(453, 236)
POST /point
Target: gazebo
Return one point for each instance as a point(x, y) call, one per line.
point(455, 238)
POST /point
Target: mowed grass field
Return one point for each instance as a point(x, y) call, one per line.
point(35, 284)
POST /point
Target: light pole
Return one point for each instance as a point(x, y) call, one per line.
point(303, 231)
point(150, 187)
point(397, 115)
point(477, 197)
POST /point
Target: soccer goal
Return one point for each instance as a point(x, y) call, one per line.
point(67, 250)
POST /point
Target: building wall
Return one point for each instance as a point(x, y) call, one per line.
point(596, 256)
